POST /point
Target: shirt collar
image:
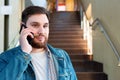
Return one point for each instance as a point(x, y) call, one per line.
point(49, 54)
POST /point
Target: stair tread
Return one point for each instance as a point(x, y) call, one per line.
point(90, 72)
point(74, 40)
point(87, 65)
point(79, 56)
point(86, 61)
point(67, 43)
point(66, 32)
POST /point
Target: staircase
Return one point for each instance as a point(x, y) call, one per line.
point(65, 33)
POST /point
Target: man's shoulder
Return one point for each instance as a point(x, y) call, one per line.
point(12, 49)
point(60, 50)
point(57, 51)
point(9, 52)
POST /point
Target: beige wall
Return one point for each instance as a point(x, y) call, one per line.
point(1, 28)
point(69, 5)
point(108, 12)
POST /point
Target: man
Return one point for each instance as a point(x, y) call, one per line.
point(34, 59)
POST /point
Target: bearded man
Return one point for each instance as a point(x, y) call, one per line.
point(34, 58)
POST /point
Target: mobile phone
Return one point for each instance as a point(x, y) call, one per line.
point(28, 37)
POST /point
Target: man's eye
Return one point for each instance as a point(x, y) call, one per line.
point(35, 26)
point(45, 26)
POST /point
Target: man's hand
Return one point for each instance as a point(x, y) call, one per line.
point(25, 46)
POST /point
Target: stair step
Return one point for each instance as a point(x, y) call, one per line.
point(65, 19)
point(65, 15)
point(79, 56)
point(66, 32)
point(66, 36)
point(65, 29)
point(66, 40)
point(91, 76)
point(76, 50)
point(65, 22)
point(71, 46)
point(87, 66)
point(63, 43)
point(58, 25)
point(55, 25)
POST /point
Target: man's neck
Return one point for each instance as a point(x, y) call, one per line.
point(35, 50)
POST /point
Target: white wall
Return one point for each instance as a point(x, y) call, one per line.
point(13, 23)
point(1, 28)
point(15, 19)
point(42, 3)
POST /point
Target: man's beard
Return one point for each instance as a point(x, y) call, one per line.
point(37, 44)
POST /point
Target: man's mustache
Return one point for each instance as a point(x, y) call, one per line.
point(37, 35)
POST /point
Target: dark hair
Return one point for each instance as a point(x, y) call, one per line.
point(31, 10)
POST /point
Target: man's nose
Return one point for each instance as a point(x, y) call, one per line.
point(41, 29)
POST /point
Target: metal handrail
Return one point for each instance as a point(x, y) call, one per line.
point(98, 22)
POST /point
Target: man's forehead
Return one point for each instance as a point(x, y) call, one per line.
point(38, 23)
point(38, 18)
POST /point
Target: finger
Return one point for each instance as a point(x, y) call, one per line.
point(23, 25)
point(31, 35)
point(27, 32)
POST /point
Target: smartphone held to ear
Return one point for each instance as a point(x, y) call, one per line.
point(23, 25)
point(28, 37)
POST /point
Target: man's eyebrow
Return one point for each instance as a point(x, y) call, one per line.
point(34, 22)
point(47, 23)
point(39, 23)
